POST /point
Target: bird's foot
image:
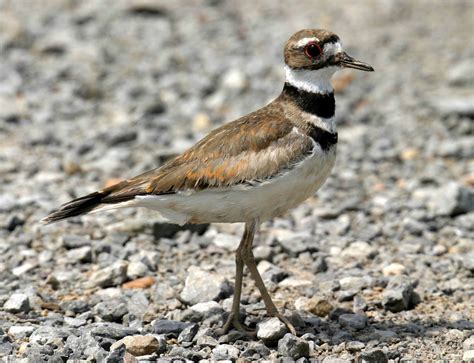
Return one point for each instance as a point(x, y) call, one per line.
point(233, 322)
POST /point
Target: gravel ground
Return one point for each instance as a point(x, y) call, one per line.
point(377, 267)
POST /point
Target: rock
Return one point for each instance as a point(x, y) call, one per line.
point(225, 352)
point(461, 74)
point(226, 241)
point(394, 269)
point(112, 331)
point(74, 306)
point(110, 276)
point(468, 356)
point(6, 346)
point(24, 268)
point(354, 346)
point(81, 254)
point(452, 199)
point(169, 326)
point(295, 243)
point(234, 79)
point(207, 341)
point(188, 333)
point(383, 335)
point(271, 330)
point(21, 331)
point(354, 321)
point(318, 306)
point(293, 347)
point(468, 344)
point(186, 354)
point(17, 303)
point(335, 360)
point(141, 283)
point(136, 269)
point(111, 310)
point(73, 241)
point(462, 106)
point(359, 250)
point(263, 253)
point(373, 356)
point(271, 272)
point(139, 344)
point(353, 283)
point(397, 294)
point(203, 286)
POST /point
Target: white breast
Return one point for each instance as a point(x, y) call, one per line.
point(242, 203)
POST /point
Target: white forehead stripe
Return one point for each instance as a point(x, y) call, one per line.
point(302, 42)
point(333, 48)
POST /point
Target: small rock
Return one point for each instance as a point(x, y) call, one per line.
point(462, 106)
point(263, 253)
point(468, 356)
point(383, 335)
point(355, 346)
point(6, 346)
point(354, 321)
point(461, 74)
point(169, 326)
point(139, 344)
point(73, 241)
point(359, 250)
point(335, 360)
point(136, 269)
point(141, 283)
point(271, 330)
point(225, 352)
point(353, 283)
point(81, 254)
point(112, 331)
point(207, 308)
point(203, 286)
point(451, 199)
point(207, 341)
point(21, 331)
point(111, 310)
point(394, 269)
point(293, 347)
point(226, 241)
point(24, 268)
point(373, 356)
point(17, 303)
point(188, 333)
point(397, 294)
point(468, 344)
point(234, 79)
point(110, 276)
point(271, 272)
point(319, 307)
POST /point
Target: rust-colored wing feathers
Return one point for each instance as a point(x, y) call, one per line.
point(250, 149)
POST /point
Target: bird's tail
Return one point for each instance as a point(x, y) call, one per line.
point(76, 207)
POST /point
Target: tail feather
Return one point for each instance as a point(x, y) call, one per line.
point(76, 207)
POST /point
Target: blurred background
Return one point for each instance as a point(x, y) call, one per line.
point(92, 92)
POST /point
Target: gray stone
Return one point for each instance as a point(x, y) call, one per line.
point(468, 344)
point(206, 341)
point(335, 360)
point(359, 250)
point(271, 330)
point(112, 330)
point(169, 326)
point(353, 283)
point(451, 199)
point(462, 73)
point(203, 286)
point(136, 269)
point(81, 254)
point(373, 356)
point(468, 356)
point(354, 321)
point(73, 241)
point(462, 106)
point(225, 352)
point(293, 347)
point(17, 303)
point(186, 353)
point(138, 345)
point(354, 346)
point(110, 276)
point(111, 310)
point(21, 331)
point(188, 333)
point(397, 294)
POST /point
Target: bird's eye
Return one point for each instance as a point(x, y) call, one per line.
point(313, 50)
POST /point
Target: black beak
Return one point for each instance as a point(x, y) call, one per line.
point(347, 61)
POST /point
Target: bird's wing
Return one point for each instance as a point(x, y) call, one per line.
point(247, 150)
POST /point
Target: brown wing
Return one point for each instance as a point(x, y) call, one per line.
point(247, 150)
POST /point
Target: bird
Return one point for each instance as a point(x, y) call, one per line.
point(249, 170)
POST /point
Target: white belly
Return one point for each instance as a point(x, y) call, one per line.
point(243, 203)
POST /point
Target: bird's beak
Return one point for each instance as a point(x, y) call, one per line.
point(345, 60)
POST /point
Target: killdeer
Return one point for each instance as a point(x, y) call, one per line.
point(249, 170)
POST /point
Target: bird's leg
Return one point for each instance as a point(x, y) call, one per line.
point(234, 317)
point(249, 260)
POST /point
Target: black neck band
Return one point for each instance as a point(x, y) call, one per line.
point(318, 104)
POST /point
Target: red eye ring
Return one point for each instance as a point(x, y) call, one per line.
point(313, 50)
